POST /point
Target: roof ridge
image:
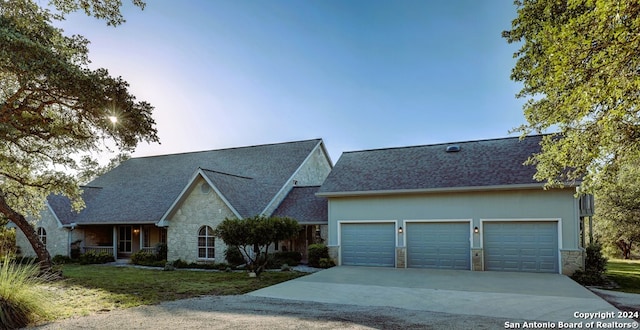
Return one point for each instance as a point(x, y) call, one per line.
point(224, 173)
point(228, 148)
point(443, 143)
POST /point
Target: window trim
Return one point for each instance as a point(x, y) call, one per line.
point(208, 237)
point(42, 235)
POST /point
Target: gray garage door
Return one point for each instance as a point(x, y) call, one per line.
point(521, 246)
point(438, 245)
point(368, 244)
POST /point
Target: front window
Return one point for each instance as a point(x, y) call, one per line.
point(42, 234)
point(206, 243)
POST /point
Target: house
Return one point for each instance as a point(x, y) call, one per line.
point(179, 199)
point(468, 205)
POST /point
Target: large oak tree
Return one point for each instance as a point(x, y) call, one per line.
point(579, 65)
point(54, 109)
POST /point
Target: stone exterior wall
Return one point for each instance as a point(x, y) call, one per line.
point(333, 252)
point(571, 260)
point(311, 173)
point(57, 236)
point(477, 262)
point(401, 253)
point(201, 207)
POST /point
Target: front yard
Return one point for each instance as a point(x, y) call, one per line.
point(88, 289)
point(625, 273)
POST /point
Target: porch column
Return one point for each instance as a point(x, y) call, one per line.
point(115, 242)
point(140, 238)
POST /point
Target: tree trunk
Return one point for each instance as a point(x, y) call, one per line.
point(41, 251)
point(625, 248)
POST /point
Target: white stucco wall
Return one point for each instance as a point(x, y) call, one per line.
point(196, 210)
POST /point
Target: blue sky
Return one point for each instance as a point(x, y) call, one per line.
point(359, 74)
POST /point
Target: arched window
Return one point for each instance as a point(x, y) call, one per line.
point(206, 243)
point(42, 234)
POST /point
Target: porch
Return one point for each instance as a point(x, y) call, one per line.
point(121, 241)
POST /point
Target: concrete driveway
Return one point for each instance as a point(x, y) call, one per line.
point(518, 296)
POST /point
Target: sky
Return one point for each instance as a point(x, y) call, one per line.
point(360, 74)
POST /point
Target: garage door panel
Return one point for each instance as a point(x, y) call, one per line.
point(368, 244)
point(438, 245)
point(521, 246)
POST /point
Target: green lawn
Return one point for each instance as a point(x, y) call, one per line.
point(91, 288)
point(625, 273)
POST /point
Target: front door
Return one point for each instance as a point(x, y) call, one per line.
point(124, 240)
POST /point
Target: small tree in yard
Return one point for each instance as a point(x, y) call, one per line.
point(254, 235)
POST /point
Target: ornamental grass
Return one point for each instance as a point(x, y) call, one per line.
point(22, 299)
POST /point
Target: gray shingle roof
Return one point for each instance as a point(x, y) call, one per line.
point(485, 163)
point(303, 205)
point(141, 190)
point(61, 205)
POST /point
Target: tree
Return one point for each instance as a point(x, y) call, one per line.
point(54, 109)
point(579, 63)
point(254, 235)
point(618, 211)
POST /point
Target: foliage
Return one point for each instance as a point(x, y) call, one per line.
point(233, 256)
point(617, 218)
point(254, 235)
point(161, 251)
point(594, 268)
point(326, 263)
point(157, 258)
point(92, 257)
point(7, 242)
point(626, 275)
point(317, 252)
point(61, 260)
point(143, 257)
point(578, 64)
point(194, 265)
point(21, 301)
point(54, 109)
point(291, 258)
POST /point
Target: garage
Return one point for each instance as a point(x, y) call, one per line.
point(444, 245)
point(368, 244)
point(530, 246)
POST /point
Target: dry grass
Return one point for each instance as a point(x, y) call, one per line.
point(90, 289)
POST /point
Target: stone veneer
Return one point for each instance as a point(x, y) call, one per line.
point(201, 207)
point(401, 253)
point(57, 236)
point(477, 260)
point(571, 260)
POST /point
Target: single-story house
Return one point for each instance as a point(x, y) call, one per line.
point(179, 199)
point(467, 205)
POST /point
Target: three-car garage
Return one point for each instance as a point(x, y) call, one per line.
point(505, 245)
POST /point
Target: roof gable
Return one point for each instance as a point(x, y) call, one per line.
point(479, 164)
point(142, 190)
point(303, 205)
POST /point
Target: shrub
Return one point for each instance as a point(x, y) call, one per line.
point(233, 256)
point(161, 251)
point(326, 263)
point(75, 250)
point(144, 258)
point(291, 258)
point(21, 302)
point(92, 257)
point(317, 252)
point(594, 268)
point(60, 260)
